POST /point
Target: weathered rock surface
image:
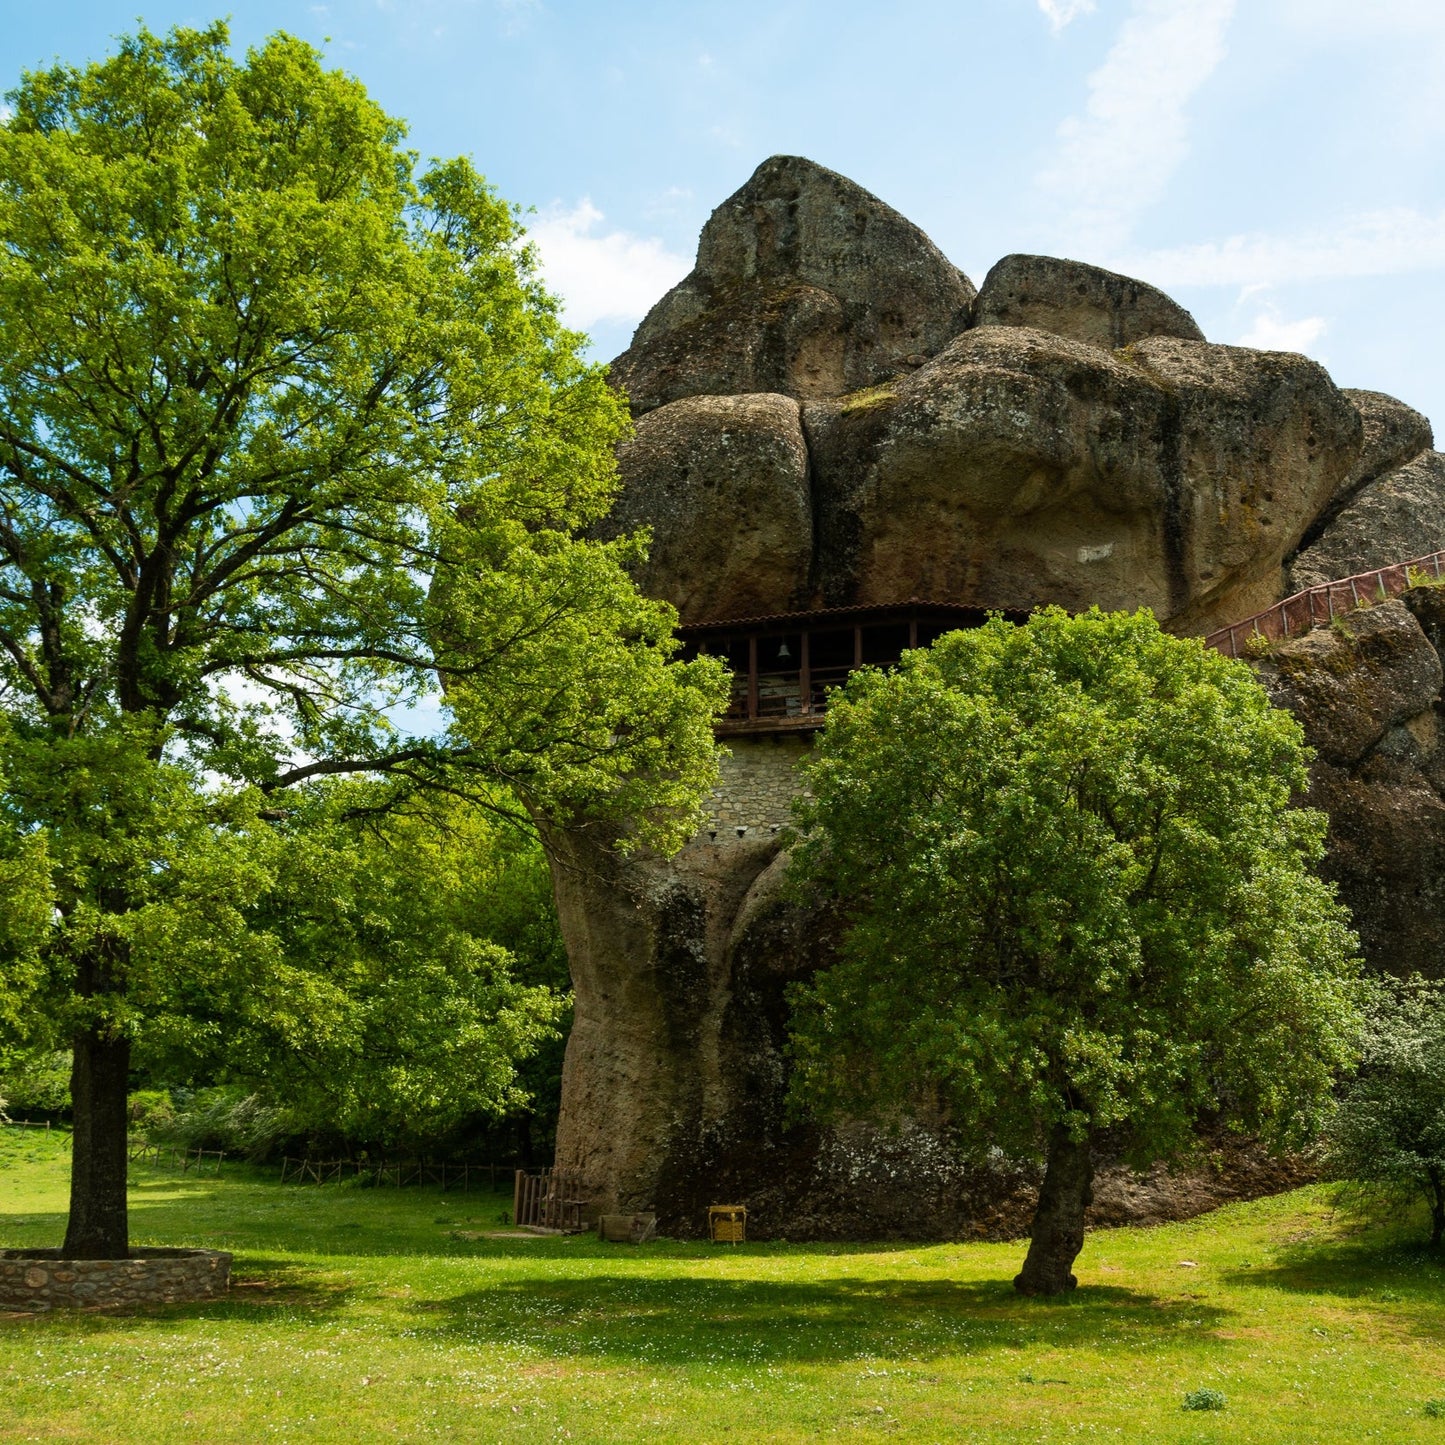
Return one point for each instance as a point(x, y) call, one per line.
point(1392, 519)
point(1393, 435)
point(722, 481)
point(1084, 303)
point(805, 284)
point(1368, 693)
point(1019, 468)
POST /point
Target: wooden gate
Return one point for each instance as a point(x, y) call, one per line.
point(549, 1200)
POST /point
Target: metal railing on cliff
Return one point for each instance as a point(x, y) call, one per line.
point(1320, 605)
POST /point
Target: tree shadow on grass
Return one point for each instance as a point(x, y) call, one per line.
point(646, 1320)
point(1391, 1266)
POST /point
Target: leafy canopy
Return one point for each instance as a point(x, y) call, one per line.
point(1076, 892)
point(1388, 1135)
point(290, 437)
point(413, 971)
point(288, 428)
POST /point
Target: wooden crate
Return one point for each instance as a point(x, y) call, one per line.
point(727, 1223)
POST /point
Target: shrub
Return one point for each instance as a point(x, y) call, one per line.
point(1387, 1140)
point(37, 1084)
point(225, 1118)
point(1204, 1399)
point(151, 1112)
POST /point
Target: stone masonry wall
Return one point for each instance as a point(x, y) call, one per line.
point(42, 1279)
point(757, 785)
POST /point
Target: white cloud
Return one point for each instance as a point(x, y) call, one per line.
point(607, 276)
point(1379, 243)
point(1061, 12)
point(1272, 332)
point(1115, 160)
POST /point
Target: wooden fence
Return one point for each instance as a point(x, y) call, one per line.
point(549, 1200)
point(141, 1152)
point(397, 1174)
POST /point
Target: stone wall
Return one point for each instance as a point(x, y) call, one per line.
point(43, 1279)
point(758, 781)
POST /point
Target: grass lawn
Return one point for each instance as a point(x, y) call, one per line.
point(362, 1314)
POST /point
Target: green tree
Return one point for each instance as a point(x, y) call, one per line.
point(394, 1008)
point(288, 431)
point(1078, 904)
point(1388, 1134)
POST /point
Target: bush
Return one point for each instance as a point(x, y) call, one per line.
point(39, 1084)
point(1387, 1140)
point(1205, 1399)
point(151, 1112)
point(224, 1118)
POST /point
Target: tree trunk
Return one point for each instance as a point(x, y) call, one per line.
point(1058, 1229)
point(1437, 1209)
point(98, 1078)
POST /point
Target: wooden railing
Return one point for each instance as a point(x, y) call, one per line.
point(1318, 606)
point(785, 665)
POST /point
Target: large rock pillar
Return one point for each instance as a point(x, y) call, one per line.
point(673, 1059)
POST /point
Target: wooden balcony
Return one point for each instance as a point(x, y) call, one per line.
point(785, 665)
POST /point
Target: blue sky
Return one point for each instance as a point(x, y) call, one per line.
point(1277, 165)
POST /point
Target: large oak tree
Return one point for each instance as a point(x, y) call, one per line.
point(289, 430)
point(1080, 904)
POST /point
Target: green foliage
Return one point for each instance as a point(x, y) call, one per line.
point(150, 877)
point(393, 1010)
point(289, 433)
point(36, 1082)
point(1388, 1134)
point(1204, 1399)
point(285, 427)
point(1076, 893)
point(150, 1112)
point(223, 1117)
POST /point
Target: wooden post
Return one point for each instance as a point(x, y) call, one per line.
point(517, 1198)
point(805, 676)
point(752, 679)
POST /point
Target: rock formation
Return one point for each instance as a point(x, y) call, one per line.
point(1083, 303)
point(1394, 518)
point(805, 285)
point(1368, 693)
point(999, 453)
point(828, 417)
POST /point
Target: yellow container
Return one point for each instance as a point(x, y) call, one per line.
point(727, 1223)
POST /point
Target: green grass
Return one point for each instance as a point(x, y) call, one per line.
point(364, 1315)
